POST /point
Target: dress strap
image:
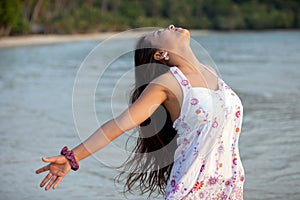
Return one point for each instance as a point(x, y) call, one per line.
point(181, 78)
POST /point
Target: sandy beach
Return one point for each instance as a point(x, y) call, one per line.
point(31, 40)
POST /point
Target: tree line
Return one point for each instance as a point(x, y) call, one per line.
point(84, 16)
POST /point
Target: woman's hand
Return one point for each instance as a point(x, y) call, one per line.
point(58, 168)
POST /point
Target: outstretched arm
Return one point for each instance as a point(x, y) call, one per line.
point(150, 99)
point(143, 108)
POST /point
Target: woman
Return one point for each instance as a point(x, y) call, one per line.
point(203, 116)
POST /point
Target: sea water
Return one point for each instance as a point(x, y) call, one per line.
point(37, 114)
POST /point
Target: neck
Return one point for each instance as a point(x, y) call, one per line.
point(187, 61)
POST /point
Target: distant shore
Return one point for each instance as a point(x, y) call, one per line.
point(31, 40)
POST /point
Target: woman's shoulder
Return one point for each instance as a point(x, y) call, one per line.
point(166, 80)
point(166, 77)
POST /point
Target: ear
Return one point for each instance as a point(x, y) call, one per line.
point(158, 55)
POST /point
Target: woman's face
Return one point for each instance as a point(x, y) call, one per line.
point(170, 38)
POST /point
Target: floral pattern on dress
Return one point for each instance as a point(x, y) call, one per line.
point(207, 163)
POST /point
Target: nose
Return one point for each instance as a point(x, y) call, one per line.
point(171, 27)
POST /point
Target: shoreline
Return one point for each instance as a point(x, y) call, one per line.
point(33, 40)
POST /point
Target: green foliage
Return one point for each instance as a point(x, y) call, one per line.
point(279, 14)
point(20, 27)
point(9, 14)
point(82, 16)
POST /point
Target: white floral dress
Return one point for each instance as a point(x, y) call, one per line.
point(207, 162)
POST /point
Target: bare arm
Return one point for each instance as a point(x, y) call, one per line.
point(146, 104)
point(151, 98)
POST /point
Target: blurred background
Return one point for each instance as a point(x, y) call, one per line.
point(254, 44)
point(83, 16)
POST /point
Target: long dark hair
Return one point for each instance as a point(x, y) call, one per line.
point(148, 167)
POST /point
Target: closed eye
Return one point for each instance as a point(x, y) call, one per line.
point(160, 31)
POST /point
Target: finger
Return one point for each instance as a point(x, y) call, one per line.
point(53, 179)
point(43, 169)
point(46, 179)
point(55, 159)
point(50, 159)
point(57, 182)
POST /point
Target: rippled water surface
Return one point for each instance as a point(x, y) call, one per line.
point(36, 117)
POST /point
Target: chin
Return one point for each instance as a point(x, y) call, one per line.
point(184, 32)
point(187, 32)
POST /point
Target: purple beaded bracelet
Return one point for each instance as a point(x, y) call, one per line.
point(69, 154)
